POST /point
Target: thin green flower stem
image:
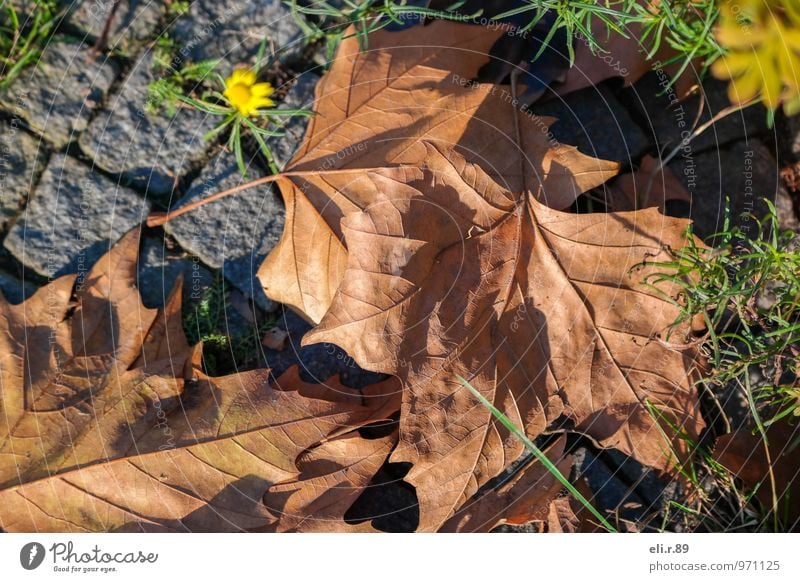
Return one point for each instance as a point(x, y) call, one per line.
point(225, 123)
point(263, 146)
point(286, 112)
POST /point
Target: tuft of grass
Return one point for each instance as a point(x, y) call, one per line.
point(23, 37)
point(684, 25)
point(746, 291)
point(540, 456)
point(226, 347)
point(715, 503)
point(174, 81)
point(325, 21)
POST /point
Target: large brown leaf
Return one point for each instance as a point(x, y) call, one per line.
point(380, 109)
point(107, 422)
point(57, 351)
point(199, 469)
point(451, 274)
point(417, 235)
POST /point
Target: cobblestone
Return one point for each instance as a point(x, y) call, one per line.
point(72, 218)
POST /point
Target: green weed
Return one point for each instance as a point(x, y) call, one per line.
point(330, 23)
point(685, 25)
point(746, 290)
point(226, 347)
point(173, 82)
point(23, 37)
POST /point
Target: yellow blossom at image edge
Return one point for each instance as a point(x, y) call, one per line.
point(763, 58)
point(245, 94)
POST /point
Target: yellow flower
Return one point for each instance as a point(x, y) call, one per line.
point(247, 96)
point(762, 43)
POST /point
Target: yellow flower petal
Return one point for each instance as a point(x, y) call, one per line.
point(761, 39)
point(771, 90)
point(731, 65)
point(243, 76)
point(744, 88)
point(262, 90)
point(236, 77)
point(789, 69)
point(743, 38)
point(263, 102)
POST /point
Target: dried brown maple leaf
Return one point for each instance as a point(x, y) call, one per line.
point(451, 274)
point(56, 352)
point(107, 423)
point(377, 110)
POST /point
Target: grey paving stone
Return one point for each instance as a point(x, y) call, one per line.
point(72, 218)
point(56, 97)
point(233, 234)
point(133, 23)
point(744, 171)
point(595, 121)
point(233, 30)
point(22, 159)
point(159, 269)
point(665, 121)
point(151, 151)
point(299, 96)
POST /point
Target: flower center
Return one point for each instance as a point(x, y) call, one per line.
point(239, 95)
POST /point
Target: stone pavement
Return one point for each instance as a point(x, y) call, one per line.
point(84, 161)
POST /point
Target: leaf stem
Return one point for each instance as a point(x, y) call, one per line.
point(160, 218)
